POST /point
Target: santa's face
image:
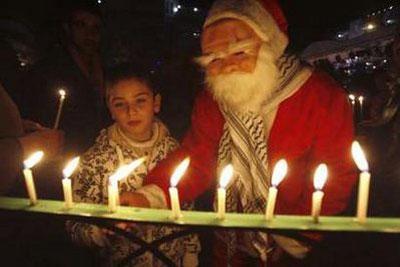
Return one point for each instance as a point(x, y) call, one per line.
point(241, 70)
point(219, 41)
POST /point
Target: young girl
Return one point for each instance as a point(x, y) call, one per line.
point(136, 132)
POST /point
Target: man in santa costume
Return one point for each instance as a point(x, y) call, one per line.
point(259, 105)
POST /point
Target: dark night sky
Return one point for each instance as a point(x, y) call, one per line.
point(309, 20)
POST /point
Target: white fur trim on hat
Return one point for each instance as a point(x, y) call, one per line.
point(253, 14)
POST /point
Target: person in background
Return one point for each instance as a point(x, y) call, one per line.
point(76, 67)
point(381, 136)
point(133, 101)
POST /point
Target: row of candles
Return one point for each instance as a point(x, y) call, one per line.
point(279, 173)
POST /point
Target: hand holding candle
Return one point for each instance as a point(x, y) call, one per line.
point(30, 185)
point(225, 178)
point(62, 94)
point(66, 182)
point(173, 191)
point(365, 177)
point(121, 173)
point(320, 177)
point(278, 174)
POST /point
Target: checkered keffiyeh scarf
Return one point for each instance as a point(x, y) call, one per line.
point(244, 145)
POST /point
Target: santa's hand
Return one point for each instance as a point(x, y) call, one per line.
point(133, 200)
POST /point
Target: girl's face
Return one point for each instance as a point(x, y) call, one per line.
point(132, 106)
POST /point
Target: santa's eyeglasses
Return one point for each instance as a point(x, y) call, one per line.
point(242, 48)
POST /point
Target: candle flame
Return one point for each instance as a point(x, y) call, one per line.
point(71, 166)
point(123, 171)
point(359, 156)
point(62, 93)
point(279, 172)
point(179, 171)
point(361, 98)
point(320, 176)
point(33, 159)
point(226, 176)
point(352, 97)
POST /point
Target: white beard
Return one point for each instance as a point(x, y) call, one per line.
point(247, 91)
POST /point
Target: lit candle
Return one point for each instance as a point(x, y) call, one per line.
point(226, 176)
point(173, 191)
point(30, 185)
point(278, 174)
point(352, 101)
point(320, 177)
point(62, 94)
point(121, 173)
point(363, 186)
point(66, 182)
point(113, 200)
point(361, 100)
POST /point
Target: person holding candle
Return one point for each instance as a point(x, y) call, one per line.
point(260, 104)
point(133, 102)
point(18, 139)
point(73, 65)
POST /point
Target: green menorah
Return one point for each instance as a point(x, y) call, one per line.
point(204, 219)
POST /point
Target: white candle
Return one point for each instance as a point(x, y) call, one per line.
point(278, 174)
point(363, 186)
point(62, 94)
point(121, 173)
point(173, 191)
point(272, 193)
point(320, 177)
point(361, 100)
point(221, 192)
point(67, 189)
point(66, 182)
point(30, 185)
point(112, 197)
point(363, 194)
point(175, 205)
point(226, 176)
point(316, 206)
point(352, 101)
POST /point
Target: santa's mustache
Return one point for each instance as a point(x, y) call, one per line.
point(247, 91)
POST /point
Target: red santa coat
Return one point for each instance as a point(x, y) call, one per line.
point(312, 126)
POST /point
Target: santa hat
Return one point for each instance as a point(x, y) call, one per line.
point(265, 17)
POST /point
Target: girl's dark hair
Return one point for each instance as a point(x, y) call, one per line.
point(129, 71)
